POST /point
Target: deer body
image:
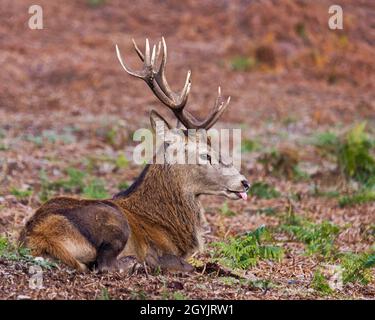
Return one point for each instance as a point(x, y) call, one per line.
point(157, 220)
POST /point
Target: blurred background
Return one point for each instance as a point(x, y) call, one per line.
point(303, 95)
point(277, 59)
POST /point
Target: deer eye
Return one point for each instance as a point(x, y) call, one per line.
point(205, 157)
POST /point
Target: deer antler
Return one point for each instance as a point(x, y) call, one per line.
point(155, 79)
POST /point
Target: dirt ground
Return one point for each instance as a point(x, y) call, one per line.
point(66, 102)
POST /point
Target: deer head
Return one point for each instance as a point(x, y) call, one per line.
point(215, 174)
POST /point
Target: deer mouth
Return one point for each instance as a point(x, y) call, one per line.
point(237, 194)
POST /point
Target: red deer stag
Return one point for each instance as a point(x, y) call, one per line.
point(157, 219)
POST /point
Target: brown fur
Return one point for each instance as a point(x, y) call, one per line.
point(169, 225)
point(75, 231)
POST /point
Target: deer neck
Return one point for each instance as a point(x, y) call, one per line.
point(159, 192)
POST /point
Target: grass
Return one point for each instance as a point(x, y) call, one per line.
point(262, 284)
point(263, 190)
point(74, 183)
point(298, 174)
point(318, 238)
point(356, 267)
point(21, 194)
point(300, 30)
point(121, 161)
point(139, 295)
point(104, 295)
point(51, 136)
point(360, 197)
point(316, 192)
point(283, 163)
point(12, 252)
point(320, 283)
point(166, 294)
point(93, 163)
point(268, 211)
point(225, 211)
point(95, 190)
point(3, 147)
point(354, 155)
point(46, 191)
point(95, 3)
point(242, 63)
point(123, 185)
point(111, 136)
point(244, 251)
point(248, 145)
point(326, 140)
point(77, 182)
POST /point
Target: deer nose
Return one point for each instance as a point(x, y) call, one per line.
point(246, 185)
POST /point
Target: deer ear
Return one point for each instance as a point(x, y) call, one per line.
point(158, 123)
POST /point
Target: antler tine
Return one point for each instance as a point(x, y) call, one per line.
point(215, 113)
point(185, 91)
point(147, 60)
point(158, 52)
point(220, 111)
point(156, 80)
point(153, 55)
point(127, 69)
point(139, 52)
point(160, 76)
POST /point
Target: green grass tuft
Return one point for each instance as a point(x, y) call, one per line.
point(21, 194)
point(327, 141)
point(356, 267)
point(249, 145)
point(104, 295)
point(139, 295)
point(316, 192)
point(121, 161)
point(77, 182)
point(319, 238)
point(354, 156)
point(95, 190)
point(263, 190)
point(51, 136)
point(242, 252)
point(12, 252)
point(360, 197)
point(268, 211)
point(96, 3)
point(242, 63)
point(225, 211)
point(354, 153)
point(320, 283)
point(123, 185)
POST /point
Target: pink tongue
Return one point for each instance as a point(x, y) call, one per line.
point(243, 195)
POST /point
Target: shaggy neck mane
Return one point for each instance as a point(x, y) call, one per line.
point(158, 198)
